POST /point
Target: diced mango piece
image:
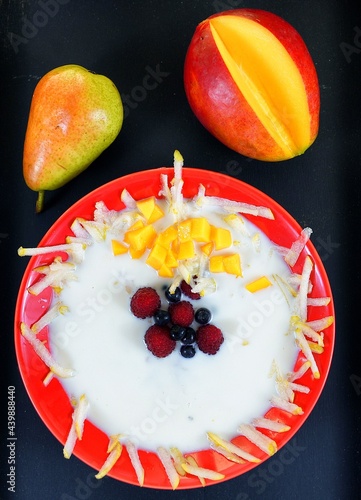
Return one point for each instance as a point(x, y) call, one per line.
point(184, 230)
point(171, 260)
point(200, 229)
point(207, 248)
point(221, 237)
point(156, 214)
point(157, 256)
point(146, 206)
point(136, 253)
point(216, 264)
point(232, 264)
point(258, 284)
point(175, 247)
point(142, 238)
point(186, 250)
point(118, 248)
point(165, 272)
point(137, 225)
point(166, 237)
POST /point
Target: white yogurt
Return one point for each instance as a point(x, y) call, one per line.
point(173, 401)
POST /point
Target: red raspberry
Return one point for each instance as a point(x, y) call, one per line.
point(181, 313)
point(158, 341)
point(187, 290)
point(144, 302)
point(209, 339)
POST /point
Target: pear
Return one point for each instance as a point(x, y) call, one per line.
point(74, 116)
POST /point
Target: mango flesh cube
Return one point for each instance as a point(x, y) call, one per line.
point(142, 238)
point(186, 250)
point(128, 234)
point(136, 253)
point(157, 256)
point(207, 248)
point(118, 248)
point(258, 284)
point(156, 214)
point(200, 229)
point(171, 260)
point(165, 272)
point(184, 230)
point(221, 237)
point(232, 264)
point(146, 206)
point(166, 237)
point(216, 264)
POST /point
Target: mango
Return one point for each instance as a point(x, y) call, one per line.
point(258, 284)
point(149, 208)
point(251, 82)
point(221, 237)
point(118, 248)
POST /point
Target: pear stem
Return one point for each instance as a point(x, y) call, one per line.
point(40, 202)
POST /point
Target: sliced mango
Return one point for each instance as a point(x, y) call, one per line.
point(156, 214)
point(166, 237)
point(171, 260)
point(200, 229)
point(232, 264)
point(142, 238)
point(137, 225)
point(251, 53)
point(136, 253)
point(258, 284)
point(146, 206)
point(184, 230)
point(165, 272)
point(186, 250)
point(221, 237)
point(157, 256)
point(118, 248)
point(207, 248)
point(216, 264)
point(150, 209)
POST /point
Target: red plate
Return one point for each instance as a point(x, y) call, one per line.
point(52, 403)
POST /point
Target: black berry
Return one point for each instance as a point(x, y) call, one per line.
point(161, 317)
point(203, 316)
point(189, 336)
point(177, 332)
point(175, 296)
point(187, 351)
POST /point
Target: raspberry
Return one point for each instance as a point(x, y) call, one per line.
point(181, 313)
point(145, 302)
point(187, 290)
point(209, 339)
point(158, 341)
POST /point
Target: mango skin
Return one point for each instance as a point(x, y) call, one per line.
point(74, 116)
point(219, 105)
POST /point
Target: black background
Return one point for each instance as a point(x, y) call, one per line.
point(123, 39)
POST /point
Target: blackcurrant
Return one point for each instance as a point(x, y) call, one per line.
point(161, 317)
point(177, 332)
point(189, 336)
point(175, 296)
point(187, 351)
point(203, 316)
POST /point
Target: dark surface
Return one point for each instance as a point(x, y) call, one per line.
point(320, 189)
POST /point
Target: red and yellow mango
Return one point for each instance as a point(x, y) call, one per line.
point(250, 80)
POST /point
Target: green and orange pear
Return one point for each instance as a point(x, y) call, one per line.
point(74, 116)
